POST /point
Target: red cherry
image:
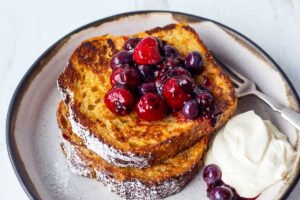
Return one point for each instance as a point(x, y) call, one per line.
point(151, 107)
point(174, 94)
point(119, 101)
point(147, 52)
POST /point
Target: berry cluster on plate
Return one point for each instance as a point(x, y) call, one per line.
point(216, 188)
point(155, 79)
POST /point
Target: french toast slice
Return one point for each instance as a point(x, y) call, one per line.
point(156, 182)
point(128, 141)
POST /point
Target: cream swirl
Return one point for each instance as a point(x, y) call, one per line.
point(252, 154)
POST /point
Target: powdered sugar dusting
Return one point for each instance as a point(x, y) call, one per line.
point(81, 168)
point(107, 152)
point(129, 189)
point(138, 190)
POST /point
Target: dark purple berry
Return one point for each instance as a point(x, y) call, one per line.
point(221, 193)
point(161, 45)
point(169, 64)
point(147, 87)
point(186, 82)
point(194, 62)
point(128, 76)
point(178, 71)
point(123, 57)
point(207, 112)
point(131, 43)
point(212, 174)
point(190, 109)
point(131, 77)
point(204, 98)
point(147, 72)
point(170, 51)
point(176, 62)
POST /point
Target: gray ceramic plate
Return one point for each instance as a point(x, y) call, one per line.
point(32, 132)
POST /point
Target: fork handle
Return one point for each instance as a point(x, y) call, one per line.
point(285, 112)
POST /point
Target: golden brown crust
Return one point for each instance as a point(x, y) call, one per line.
point(175, 172)
point(86, 79)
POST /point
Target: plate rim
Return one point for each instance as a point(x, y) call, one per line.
point(15, 158)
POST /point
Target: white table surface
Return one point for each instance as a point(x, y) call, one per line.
point(29, 27)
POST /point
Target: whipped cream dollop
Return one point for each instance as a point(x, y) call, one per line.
point(252, 154)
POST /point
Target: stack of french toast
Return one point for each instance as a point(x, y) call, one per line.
point(133, 157)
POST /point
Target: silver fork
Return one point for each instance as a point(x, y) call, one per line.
point(244, 86)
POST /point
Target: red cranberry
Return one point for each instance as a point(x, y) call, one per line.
point(119, 101)
point(194, 62)
point(170, 51)
point(212, 174)
point(190, 109)
point(131, 43)
point(204, 98)
point(147, 52)
point(123, 57)
point(174, 95)
point(147, 72)
point(221, 193)
point(151, 107)
point(147, 87)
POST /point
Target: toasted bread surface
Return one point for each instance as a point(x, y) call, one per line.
point(155, 182)
point(129, 141)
